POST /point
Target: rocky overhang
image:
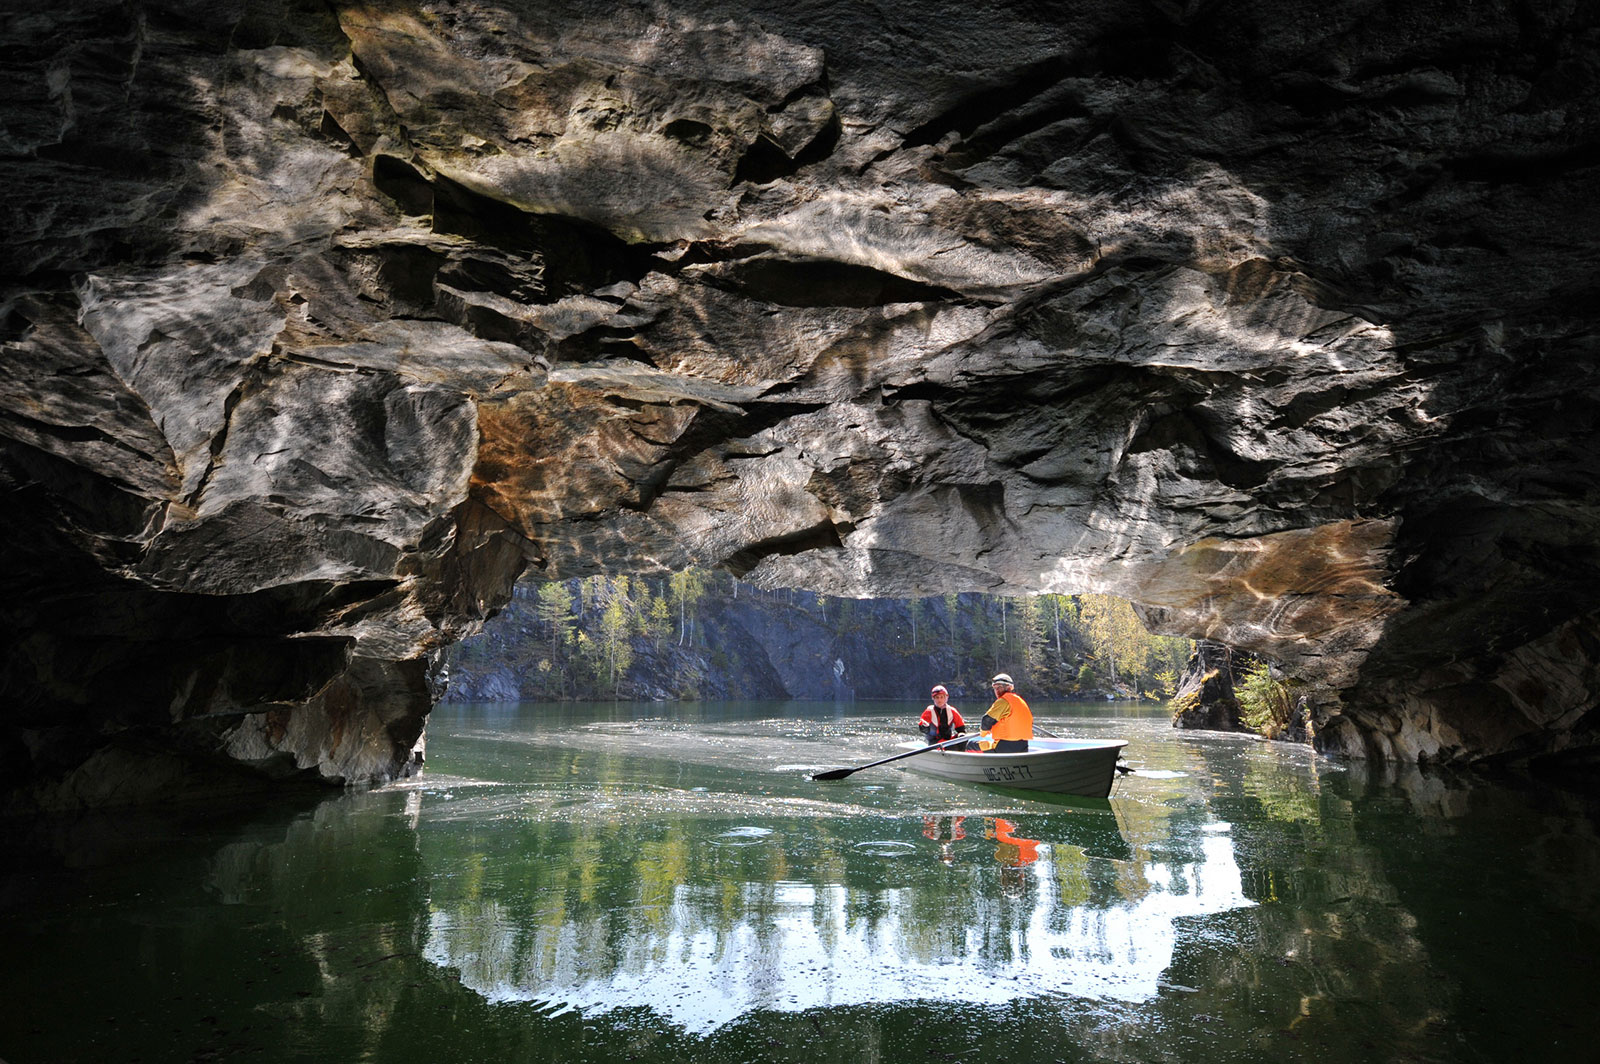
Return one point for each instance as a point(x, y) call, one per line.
point(322, 323)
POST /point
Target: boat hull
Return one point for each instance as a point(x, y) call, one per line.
point(1084, 767)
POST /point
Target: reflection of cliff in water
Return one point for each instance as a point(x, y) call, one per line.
point(263, 934)
point(704, 928)
point(1385, 916)
point(1532, 924)
point(1365, 920)
point(1329, 947)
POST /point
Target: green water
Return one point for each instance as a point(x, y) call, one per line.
point(665, 884)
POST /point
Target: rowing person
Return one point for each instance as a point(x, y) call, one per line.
point(1008, 724)
point(941, 720)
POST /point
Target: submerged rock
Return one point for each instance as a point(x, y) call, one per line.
point(323, 322)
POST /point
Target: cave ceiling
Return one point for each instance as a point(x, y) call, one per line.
point(323, 323)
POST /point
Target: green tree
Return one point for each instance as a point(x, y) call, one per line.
point(1168, 657)
point(1265, 704)
point(1026, 639)
point(615, 646)
point(1107, 626)
point(657, 616)
point(1058, 613)
point(684, 591)
point(587, 662)
point(553, 611)
point(1129, 651)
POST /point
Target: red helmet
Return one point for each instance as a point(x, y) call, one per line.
point(938, 689)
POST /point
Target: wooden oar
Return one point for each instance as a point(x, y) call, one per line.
point(841, 773)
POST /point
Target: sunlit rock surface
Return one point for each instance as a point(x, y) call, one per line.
point(322, 322)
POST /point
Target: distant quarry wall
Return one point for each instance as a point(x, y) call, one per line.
point(739, 642)
point(321, 323)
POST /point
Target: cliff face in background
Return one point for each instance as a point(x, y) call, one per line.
point(743, 643)
point(322, 322)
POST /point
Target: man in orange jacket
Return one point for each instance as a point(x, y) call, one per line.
point(1008, 724)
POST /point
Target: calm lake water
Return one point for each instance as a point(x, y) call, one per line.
point(658, 883)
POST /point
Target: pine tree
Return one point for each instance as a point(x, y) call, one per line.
point(553, 609)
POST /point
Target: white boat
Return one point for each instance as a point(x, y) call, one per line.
point(1083, 767)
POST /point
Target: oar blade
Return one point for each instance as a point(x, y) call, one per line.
point(832, 774)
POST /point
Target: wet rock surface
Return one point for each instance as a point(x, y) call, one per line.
point(323, 322)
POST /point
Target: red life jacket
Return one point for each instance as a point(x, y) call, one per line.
point(947, 726)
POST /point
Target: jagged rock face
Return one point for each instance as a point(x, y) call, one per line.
point(1205, 696)
point(322, 321)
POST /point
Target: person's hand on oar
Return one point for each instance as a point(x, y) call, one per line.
point(841, 773)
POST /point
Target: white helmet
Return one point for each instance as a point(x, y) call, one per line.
point(1003, 677)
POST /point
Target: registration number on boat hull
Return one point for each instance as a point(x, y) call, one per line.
point(1007, 773)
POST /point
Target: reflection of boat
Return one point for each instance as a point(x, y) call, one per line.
point(1083, 767)
point(1100, 833)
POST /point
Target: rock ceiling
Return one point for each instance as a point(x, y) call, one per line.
point(322, 322)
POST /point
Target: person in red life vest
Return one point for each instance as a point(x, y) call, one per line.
point(1008, 724)
point(941, 720)
point(931, 829)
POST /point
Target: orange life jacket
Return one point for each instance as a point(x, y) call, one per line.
point(1012, 850)
point(1012, 718)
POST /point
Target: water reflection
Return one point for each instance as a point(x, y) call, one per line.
point(705, 924)
point(946, 831)
point(639, 888)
